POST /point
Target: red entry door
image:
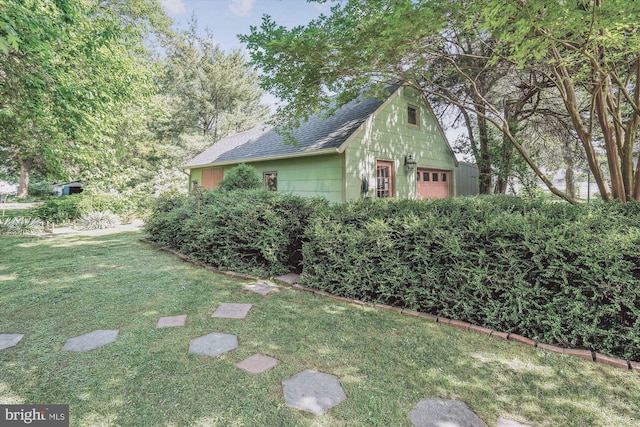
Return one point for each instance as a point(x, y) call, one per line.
point(433, 184)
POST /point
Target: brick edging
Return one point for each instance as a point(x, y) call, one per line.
point(589, 355)
point(592, 356)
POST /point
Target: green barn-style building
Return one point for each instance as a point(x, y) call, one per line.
point(368, 148)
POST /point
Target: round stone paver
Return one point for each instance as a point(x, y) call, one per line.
point(91, 340)
point(441, 412)
point(213, 345)
point(9, 340)
point(312, 391)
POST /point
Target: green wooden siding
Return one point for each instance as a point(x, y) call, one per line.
point(304, 176)
point(388, 136)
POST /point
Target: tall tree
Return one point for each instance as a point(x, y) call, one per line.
point(589, 47)
point(215, 93)
point(569, 47)
point(67, 68)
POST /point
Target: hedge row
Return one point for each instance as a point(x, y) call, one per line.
point(561, 274)
point(252, 231)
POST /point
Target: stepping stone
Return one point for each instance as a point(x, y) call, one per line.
point(503, 422)
point(91, 340)
point(170, 321)
point(441, 412)
point(9, 340)
point(213, 345)
point(289, 278)
point(262, 288)
point(312, 391)
point(257, 364)
point(232, 311)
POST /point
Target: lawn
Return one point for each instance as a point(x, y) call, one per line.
point(52, 289)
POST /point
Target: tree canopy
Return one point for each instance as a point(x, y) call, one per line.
point(587, 54)
point(68, 68)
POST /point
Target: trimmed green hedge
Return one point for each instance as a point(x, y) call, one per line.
point(254, 231)
point(562, 274)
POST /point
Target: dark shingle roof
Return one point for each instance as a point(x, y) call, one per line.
point(316, 134)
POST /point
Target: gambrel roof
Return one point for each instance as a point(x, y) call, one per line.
point(315, 136)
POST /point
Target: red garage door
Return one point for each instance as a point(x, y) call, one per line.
point(433, 184)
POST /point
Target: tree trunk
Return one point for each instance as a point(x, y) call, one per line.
point(505, 156)
point(484, 162)
point(570, 186)
point(25, 173)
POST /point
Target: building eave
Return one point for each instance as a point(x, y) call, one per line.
point(265, 159)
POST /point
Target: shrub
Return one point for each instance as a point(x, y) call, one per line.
point(97, 220)
point(61, 209)
point(40, 190)
point(70, 208)
point(241, 177)
point(255, 231)
point(20, 225)
point(551, 271)
point(104, 202)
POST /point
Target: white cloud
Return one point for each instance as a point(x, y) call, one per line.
point(241, 7)
point(173, 7)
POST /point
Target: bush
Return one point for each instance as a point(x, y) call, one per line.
point(241, 177)
point(254, 231)
point(61, 209)
point(20, 225)
point(40, 190)
point(550, 271)
point(64, 209)
point(97, 220)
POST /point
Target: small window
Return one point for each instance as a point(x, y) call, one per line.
point(444, 177)
point(425, 176)
point(434, 177)
point(412, 116)
point(270, 180)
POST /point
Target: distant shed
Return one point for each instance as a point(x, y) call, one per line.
point(467, 184)
point(67, 188)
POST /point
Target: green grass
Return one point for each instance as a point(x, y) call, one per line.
point(17, 212)
point(52, 289)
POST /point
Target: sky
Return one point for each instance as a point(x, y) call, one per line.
point(225, 19)
point(228, 18)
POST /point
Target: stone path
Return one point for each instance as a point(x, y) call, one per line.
point(257, 364)
point(91, 340)
point(214, 344)
point(171, 321)
point(309, 390)
point(9, 340)
point(262, 288)
point(440, 412)
point(232, 311)
point(312, 391)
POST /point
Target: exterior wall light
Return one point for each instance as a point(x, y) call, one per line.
point(410, 164)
